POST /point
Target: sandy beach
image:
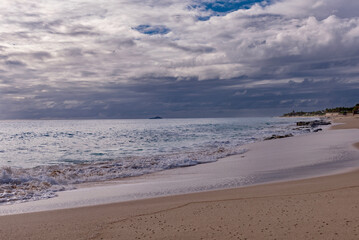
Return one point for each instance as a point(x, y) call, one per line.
point(317, 208)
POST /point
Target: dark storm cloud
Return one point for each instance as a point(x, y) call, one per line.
point(41, 55)
point(129, 59)
point(40, 25)
point(81, 30)
point(171, 98)
point(88, 74)
point(15, 63)
point(193, 49)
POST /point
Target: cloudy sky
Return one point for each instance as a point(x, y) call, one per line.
point(178, 58)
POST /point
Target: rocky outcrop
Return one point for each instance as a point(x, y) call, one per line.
point(313, 124)
point(157, 117)
point(278, 136)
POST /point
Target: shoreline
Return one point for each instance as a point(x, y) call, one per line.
point(215, 212)
point(300, 157)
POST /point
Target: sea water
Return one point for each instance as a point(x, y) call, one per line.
point(41, 157)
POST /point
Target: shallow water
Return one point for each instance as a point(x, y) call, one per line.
point(305, 156)
point(40, 158)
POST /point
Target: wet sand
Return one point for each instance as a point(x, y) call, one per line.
point(317, 208)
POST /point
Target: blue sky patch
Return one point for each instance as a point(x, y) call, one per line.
point(152, 30)
point(222, 7)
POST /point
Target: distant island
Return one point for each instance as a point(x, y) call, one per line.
point(157, 117)
point(326, 112)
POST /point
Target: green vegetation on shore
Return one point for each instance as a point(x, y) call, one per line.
point(339, 110)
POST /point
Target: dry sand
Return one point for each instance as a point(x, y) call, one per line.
point(346, 122)
point(317, 208)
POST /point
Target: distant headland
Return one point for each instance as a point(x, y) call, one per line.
point(157, 117)
point(327, 112)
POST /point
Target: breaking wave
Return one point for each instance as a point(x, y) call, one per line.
point(40, 158)
point(24, 184)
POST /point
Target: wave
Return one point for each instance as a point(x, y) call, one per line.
point(42, 182)
point(67, 153)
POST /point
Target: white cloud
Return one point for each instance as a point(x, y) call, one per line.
point(317, 8)
point(88, 34)
point(50, 43)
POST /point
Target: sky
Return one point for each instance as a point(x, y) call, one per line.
point(179, 58)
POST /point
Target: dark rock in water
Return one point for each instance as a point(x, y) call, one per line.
point(303, 123)
point(314, 123)
point(317, 130)
point(319, 123)
point(157, 117)
point(278, 136)
point(304, 128)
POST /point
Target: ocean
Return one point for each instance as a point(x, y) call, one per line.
point(38, 158)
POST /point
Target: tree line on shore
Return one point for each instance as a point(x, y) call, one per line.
point(340, 110)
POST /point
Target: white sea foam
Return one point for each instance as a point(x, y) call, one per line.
point(40, 158)
point(23, 184)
